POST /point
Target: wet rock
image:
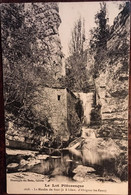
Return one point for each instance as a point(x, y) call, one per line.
point(23, 162)
point(69, 160)
point(88, 132)
point(21, 157)
point(57, 171)
point(18, 138)
point(12, 167)
point(24, 169)
point(79, 178)
point(96, 150)
point(28, 164)
point(42, 157)
point(55, 156)
point(83, 173)
point(21, 152)
point(33, 162)
point(92, 175)
point(83, 169)
point(28, 176)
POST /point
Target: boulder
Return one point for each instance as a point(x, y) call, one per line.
point(28, 176)
point(83, 169)
point(12, 167)
point(42, 157)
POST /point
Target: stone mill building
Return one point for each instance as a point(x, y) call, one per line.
point(63, 110)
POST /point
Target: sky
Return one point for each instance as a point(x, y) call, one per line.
point(70, 12)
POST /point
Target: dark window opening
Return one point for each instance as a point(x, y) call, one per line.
point(59, 97)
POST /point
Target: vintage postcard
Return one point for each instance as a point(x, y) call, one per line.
point(65, 80)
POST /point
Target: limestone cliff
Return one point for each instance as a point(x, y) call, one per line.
point(32, 58)
point(47, 47)
point(112, 82)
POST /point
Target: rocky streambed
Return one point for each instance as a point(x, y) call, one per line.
point(87, 158)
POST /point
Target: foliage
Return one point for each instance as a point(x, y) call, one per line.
point(76, 63)
point(99, 38)
point(100, 33)
point(16, 53)
point(76, 73)
point(103, 34)
point(22, 66)
point(121, 166)
point(96, 116)
point(76, 46)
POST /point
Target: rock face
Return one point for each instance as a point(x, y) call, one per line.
point(46, 18)
point(112, 82)
point(26, 126)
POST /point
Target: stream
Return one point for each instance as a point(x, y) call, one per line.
point(70, 164)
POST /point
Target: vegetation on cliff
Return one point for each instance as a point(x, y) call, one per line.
point(31, 47)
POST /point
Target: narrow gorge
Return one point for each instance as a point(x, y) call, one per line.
point(66, 117)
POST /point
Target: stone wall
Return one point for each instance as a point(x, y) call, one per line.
point(53, 105)
point(62, 109)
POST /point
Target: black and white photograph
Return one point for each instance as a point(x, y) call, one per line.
point(65, 86)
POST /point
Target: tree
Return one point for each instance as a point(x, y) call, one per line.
point(21, 78)
point(23, 58)
point(100, 35)
point(77, 38)
point(76, 63)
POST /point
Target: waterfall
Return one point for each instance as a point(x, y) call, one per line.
point(88, 132)
point(87, 102)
